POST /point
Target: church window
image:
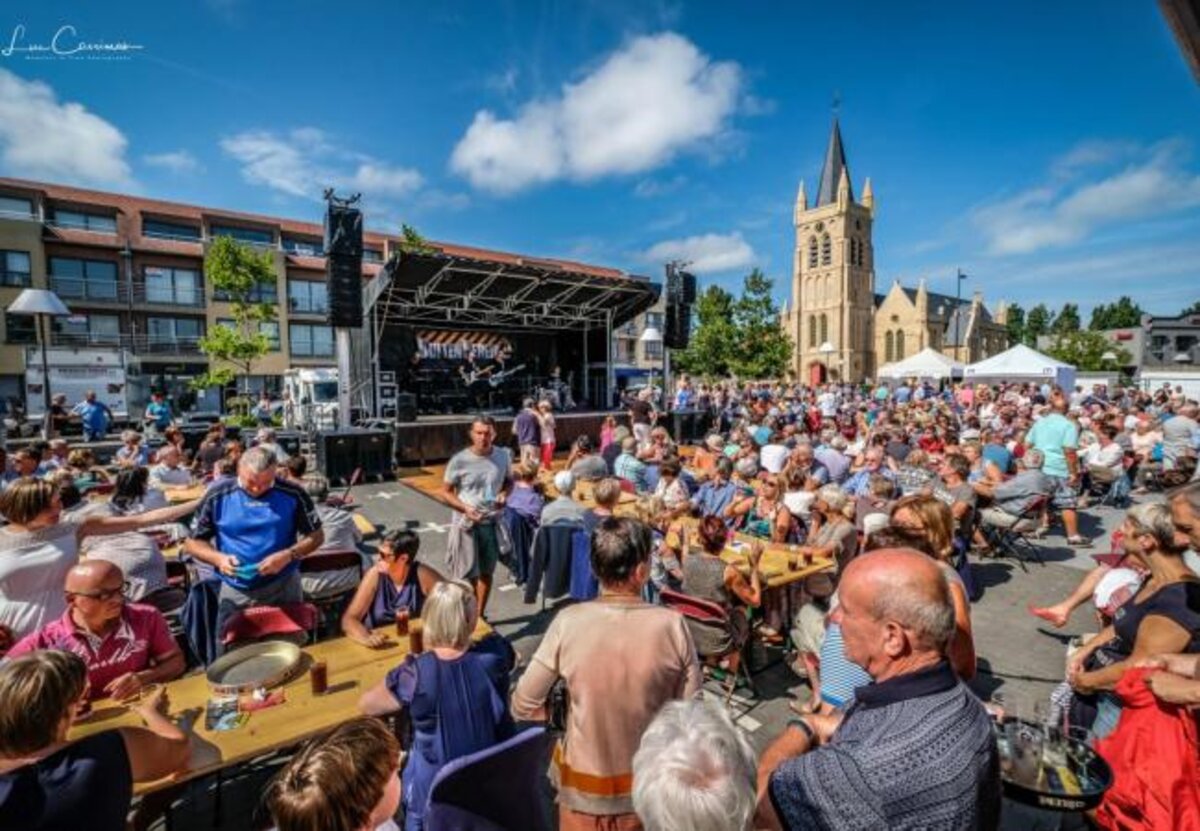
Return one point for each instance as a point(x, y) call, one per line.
point(812, 252)
point(853, 251)
point(899, 344)
point(812, 331)
point(888, 354)
point(826, 250)
point(824, 328)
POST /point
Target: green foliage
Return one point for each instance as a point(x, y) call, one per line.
point(1193, 309)
point(711, 347)
point(763, 349)
point(1124, 314)
point(1083, 350)
point(413, 243)
point(1067, 320)
point(1016, 325)
point(1037, 322)
point(237, 271)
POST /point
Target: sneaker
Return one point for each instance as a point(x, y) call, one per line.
point(1079, 542)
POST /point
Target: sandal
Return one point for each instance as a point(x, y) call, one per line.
point(806, 708)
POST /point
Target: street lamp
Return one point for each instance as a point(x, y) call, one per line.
point(651, 335)
point(41, 304)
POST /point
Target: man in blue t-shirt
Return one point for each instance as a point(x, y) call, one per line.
point(158, 414)
point(94, 415)
point(254, 530)
point(1058, 438)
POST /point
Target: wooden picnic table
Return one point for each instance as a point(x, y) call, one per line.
point(178, 496)
point(352, 667)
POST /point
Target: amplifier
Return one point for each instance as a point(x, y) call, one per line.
point(341, 452)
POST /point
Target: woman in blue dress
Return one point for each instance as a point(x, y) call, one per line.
point(455, 693)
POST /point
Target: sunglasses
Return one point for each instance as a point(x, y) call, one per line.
point(104, 595)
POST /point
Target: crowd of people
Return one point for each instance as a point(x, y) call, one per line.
point(900, 488)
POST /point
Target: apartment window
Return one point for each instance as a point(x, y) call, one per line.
point(270, 328)
point(159, 229)
point(175, 286)
point(252, 236)
point(15, 206)
point(84, 279)
point(652, 350)
point(20, 329)
point(308, 297)
point(304, 247)
point(262, 293)
point(173, 331)
point(654, 319)
point(99, 223)
point(15, 268)
point(372, 255)
point(87, 330)
point(310, 341)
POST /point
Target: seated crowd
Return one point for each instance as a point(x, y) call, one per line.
point(893, 494)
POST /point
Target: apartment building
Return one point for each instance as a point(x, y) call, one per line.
point(634, 360)
point(131, 270)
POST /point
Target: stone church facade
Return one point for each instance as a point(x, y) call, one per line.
point(840, 328)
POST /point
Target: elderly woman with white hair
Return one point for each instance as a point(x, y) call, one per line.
point(455, 694)
point(694, 771)
point(564, 508)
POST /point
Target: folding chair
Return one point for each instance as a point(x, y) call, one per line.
point(712, 614)
point(1016, 541)
point(259, 622)
point(329, 605)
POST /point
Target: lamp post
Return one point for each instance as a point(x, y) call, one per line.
point(958, 326)
point(42, 304)
point(651, 335)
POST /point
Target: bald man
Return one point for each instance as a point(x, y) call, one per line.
point(126, 646)
point(916, 749)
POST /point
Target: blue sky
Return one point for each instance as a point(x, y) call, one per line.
point(1048, 149)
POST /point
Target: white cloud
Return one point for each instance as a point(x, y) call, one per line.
point(43, 138)
point(707, 253)
point(654, 98)
point(651, 188)
point(304, 161)
point(1153, 184)
point(175, 161)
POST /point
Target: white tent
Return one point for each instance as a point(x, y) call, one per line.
point(928, 363)
point(1022, 364)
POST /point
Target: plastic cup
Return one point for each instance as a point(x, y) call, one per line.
point(793, 557)
point(402, 616)
point(318, 676)
point(416, 640)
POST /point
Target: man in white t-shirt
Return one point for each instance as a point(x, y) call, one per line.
point(827, 402)
point(773, 455)
point(168, 473)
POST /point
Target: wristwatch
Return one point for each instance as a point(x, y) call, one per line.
point(805, 728)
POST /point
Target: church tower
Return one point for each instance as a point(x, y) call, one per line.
point(832, 312)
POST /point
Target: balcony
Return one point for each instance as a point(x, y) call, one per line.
point(140, 344)
point(89, 340)
point(191, 297)
point(75, 289)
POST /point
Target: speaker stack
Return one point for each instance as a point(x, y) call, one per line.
point(340, 452)
point(681, 295)
point(343, 263)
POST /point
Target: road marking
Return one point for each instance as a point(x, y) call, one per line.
point(383, 495)
point(508, 587)
point(433, 528)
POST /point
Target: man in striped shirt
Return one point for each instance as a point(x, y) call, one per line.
point(916, 749)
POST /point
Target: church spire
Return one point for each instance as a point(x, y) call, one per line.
point(868, 196)
point(834, 168)
point(801, 203)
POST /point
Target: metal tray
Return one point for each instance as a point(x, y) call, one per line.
point(265, 664)
point(1096, 778)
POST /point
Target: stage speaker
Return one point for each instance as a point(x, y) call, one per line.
point(396, 347)
point(678, 326)
point(289, 440)
point(340, 452)
point(689, 426)
point(687, 288)
point(406, 407)
point(345, 291)
point(343, 231)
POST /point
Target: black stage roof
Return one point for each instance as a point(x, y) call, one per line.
point(489, 290)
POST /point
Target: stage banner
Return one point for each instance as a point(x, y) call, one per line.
point(448, 345)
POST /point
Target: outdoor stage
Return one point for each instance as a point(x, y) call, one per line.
point(437, 438)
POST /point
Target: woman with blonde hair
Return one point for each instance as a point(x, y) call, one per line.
point(926, 524)
point(456, 694)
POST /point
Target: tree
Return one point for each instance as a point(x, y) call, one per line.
point(1037, 323)
point(1015, 325)
point(762, 348)
point(412, 242)
point(1067, 320)
point(1193, 309)
point(1124, 314)
point(238, 272)
point(1084, 350)
point(711, 346)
